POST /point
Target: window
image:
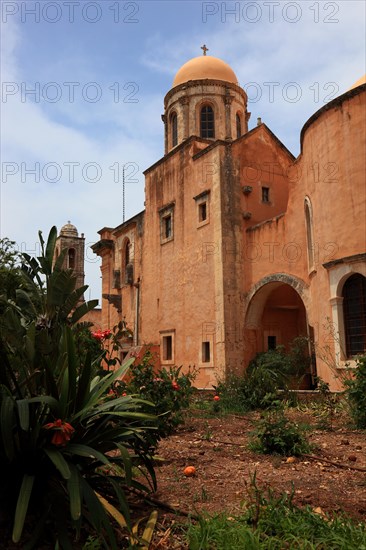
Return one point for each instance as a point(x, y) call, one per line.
point(202, 211)
point(167, 226)
point(167, 348)
point(271, 342)
point(206, 352)
point(71, 258)
point(203, 207)
point(207, 122)
point(127, 263)
point(354, 310)
point(238, 126)
point(127, 253)
point(309, 232)
point(167, 338)
point(265, 194)
point(166, 223)
point(174, 129)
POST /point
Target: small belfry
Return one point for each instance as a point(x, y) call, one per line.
point(205, 101)
point(75, 246)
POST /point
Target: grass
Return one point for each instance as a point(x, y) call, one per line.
point(275, 524)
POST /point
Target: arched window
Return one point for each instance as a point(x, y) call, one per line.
point(207, 121)
point(127, 263)
point(71, 258)
point(309, 232)
point(174, 129)
point(127, 253)
point(238, 125)
point(354, 311)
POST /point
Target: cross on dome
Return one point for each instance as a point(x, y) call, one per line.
point(204, 48)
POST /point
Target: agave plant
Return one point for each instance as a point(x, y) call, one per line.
point(68, 450)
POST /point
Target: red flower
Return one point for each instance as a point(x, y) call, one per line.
point(216, 398)
point(175, 385)
point(101, 335)
point(63, 432)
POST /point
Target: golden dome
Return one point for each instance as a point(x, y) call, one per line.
point(359, 82)
point(202, 67)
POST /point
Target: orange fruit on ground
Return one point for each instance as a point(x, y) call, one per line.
point(189, 471)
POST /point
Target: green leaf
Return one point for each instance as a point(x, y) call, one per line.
point(84, 450)
point(48, 400)
point(83, 310)
point(30, 341)
point(7, 421)
point(59, 461)
point(101, 387)
point(74, 490)
point(84, 383)
point(60, 260)
point(50, 248)
point(149, 530)
point(112, 510)
point(23, 413)
point(98, 515)
point(127, 463)
point(72, 366)
point(122, 500)
point(22, 506)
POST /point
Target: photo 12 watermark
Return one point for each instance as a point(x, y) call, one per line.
point(266, 172)
point(269, 252)
point(271, 12)
point(69, 92)
point(68, 172)
point(28, 11)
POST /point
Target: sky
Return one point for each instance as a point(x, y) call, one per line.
point(83, 85)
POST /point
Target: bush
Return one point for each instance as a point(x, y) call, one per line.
point(266, 374)
point(67, 451)
point(278, 435)
point(169, 390)
point(356, 393)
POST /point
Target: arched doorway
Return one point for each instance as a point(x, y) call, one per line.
point(276, 316)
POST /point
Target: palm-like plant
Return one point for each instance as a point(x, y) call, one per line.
point(67, 449)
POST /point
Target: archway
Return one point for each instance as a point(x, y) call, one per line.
point(276, 316)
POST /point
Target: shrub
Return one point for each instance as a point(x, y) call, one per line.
point(278, 435)
point(168, 389)
point(356, 393)
point(67, 451)
point(266, 374)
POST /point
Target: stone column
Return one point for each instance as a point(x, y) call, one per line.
point(247, 117)
point(184, 102)
point(164, 119)
point(228, 100)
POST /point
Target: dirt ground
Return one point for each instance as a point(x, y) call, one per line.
point(218, 449)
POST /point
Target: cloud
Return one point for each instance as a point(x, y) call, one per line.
point(111, 133)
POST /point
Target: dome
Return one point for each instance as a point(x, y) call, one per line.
point(69, 230)
point(359, 82)
point(202, 67)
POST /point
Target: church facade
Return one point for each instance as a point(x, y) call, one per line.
point(242, 247)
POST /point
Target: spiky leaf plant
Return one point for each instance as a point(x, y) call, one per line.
point(66, 447)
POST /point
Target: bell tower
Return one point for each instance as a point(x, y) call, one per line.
point(205, 101)
point(75, 245)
